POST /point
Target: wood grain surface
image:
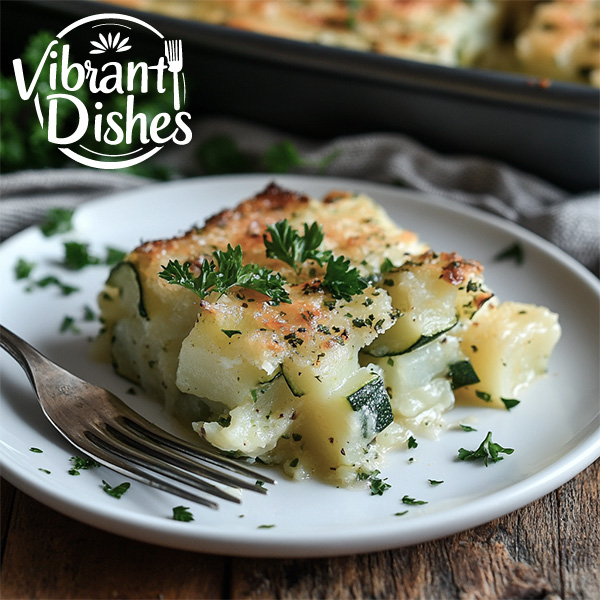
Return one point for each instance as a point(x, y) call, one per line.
point(549, 549)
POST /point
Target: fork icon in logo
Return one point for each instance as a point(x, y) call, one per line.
point(174, 55)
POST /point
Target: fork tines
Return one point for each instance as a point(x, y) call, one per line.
point(156, 458)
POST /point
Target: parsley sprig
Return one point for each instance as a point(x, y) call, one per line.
point(224, 272)
point(287, 245)
point(341, 279)
point(488, 451)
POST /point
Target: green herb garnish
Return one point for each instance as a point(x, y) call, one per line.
point(37, 450)
point(510, 402)
point(49, 280)
point(412, 442)
point(341, 280)
point(82, 464)
point(57, 220)
point(231, 332)
point(68, 324)
point(286, 244)
point(115, 492)
point(408, 500)
point(434, 482)
point(467, 427)
point(230, 273)
point(513, 252)
point(182, 513)
point(488, 451)
point(23, 268)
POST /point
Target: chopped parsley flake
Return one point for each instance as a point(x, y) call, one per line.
point(400, 514)
point(510, 402)
point(467, 427)
point(45, 471)
point(115, 492)
point(23, 268)
point(266, 526)
point(513, 252)
point(408, 500)
point(488, 451)
point(231, 332)
point(68, 324)
point(483, 395)
point(412, 442)
point(182, 513)
point(435, 482)
point(32, 449)
point(57, 220)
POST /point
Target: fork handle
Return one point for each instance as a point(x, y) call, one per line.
point(26, 355)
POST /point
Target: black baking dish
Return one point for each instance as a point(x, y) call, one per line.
point(550, 129)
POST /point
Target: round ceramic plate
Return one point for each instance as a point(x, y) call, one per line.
point(554, 430)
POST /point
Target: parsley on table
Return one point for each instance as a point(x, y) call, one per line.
point(488, 451)
point(182, 513)
point(115, 492)
point(230, 273)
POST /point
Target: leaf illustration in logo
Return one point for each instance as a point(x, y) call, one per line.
point(110, 42)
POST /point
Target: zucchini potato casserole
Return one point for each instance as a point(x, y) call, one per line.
point(315, 334)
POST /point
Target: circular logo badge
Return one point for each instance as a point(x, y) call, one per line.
point(115, 91)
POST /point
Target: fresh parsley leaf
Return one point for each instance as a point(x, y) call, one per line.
point(412, 442)
point(115, 492)
point(45, 471)
point(286, 244)
point(49, 280)
point(387, 265)
point(77, 256)
point(377, 485)
point(342, 281)
point(82, 464)
point(23, 268)
point(408, 500)
point(230, 273)
point(400, 514)
point(231, 332)
point(488, 451)
point(467, 427)
point(510, 402)
point(37, 450)
point(434, 482)
point(513, 252)
point(88, 313)
point(57, 220)
point(266, 526)
point(483, 396)
point(182, 513)
point(68, 324)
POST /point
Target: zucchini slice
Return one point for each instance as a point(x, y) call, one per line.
point(125, 278)
point(373, 403)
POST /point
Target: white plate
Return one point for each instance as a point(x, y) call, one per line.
point(554, 431)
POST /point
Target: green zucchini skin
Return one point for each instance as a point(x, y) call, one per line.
point(373, 402)
point(122, 275)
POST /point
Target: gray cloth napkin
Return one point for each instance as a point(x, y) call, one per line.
point(570, 222)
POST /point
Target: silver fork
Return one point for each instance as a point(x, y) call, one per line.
point(100, 425)
point(174, 54)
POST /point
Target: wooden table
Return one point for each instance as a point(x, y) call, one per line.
point(549, 549)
